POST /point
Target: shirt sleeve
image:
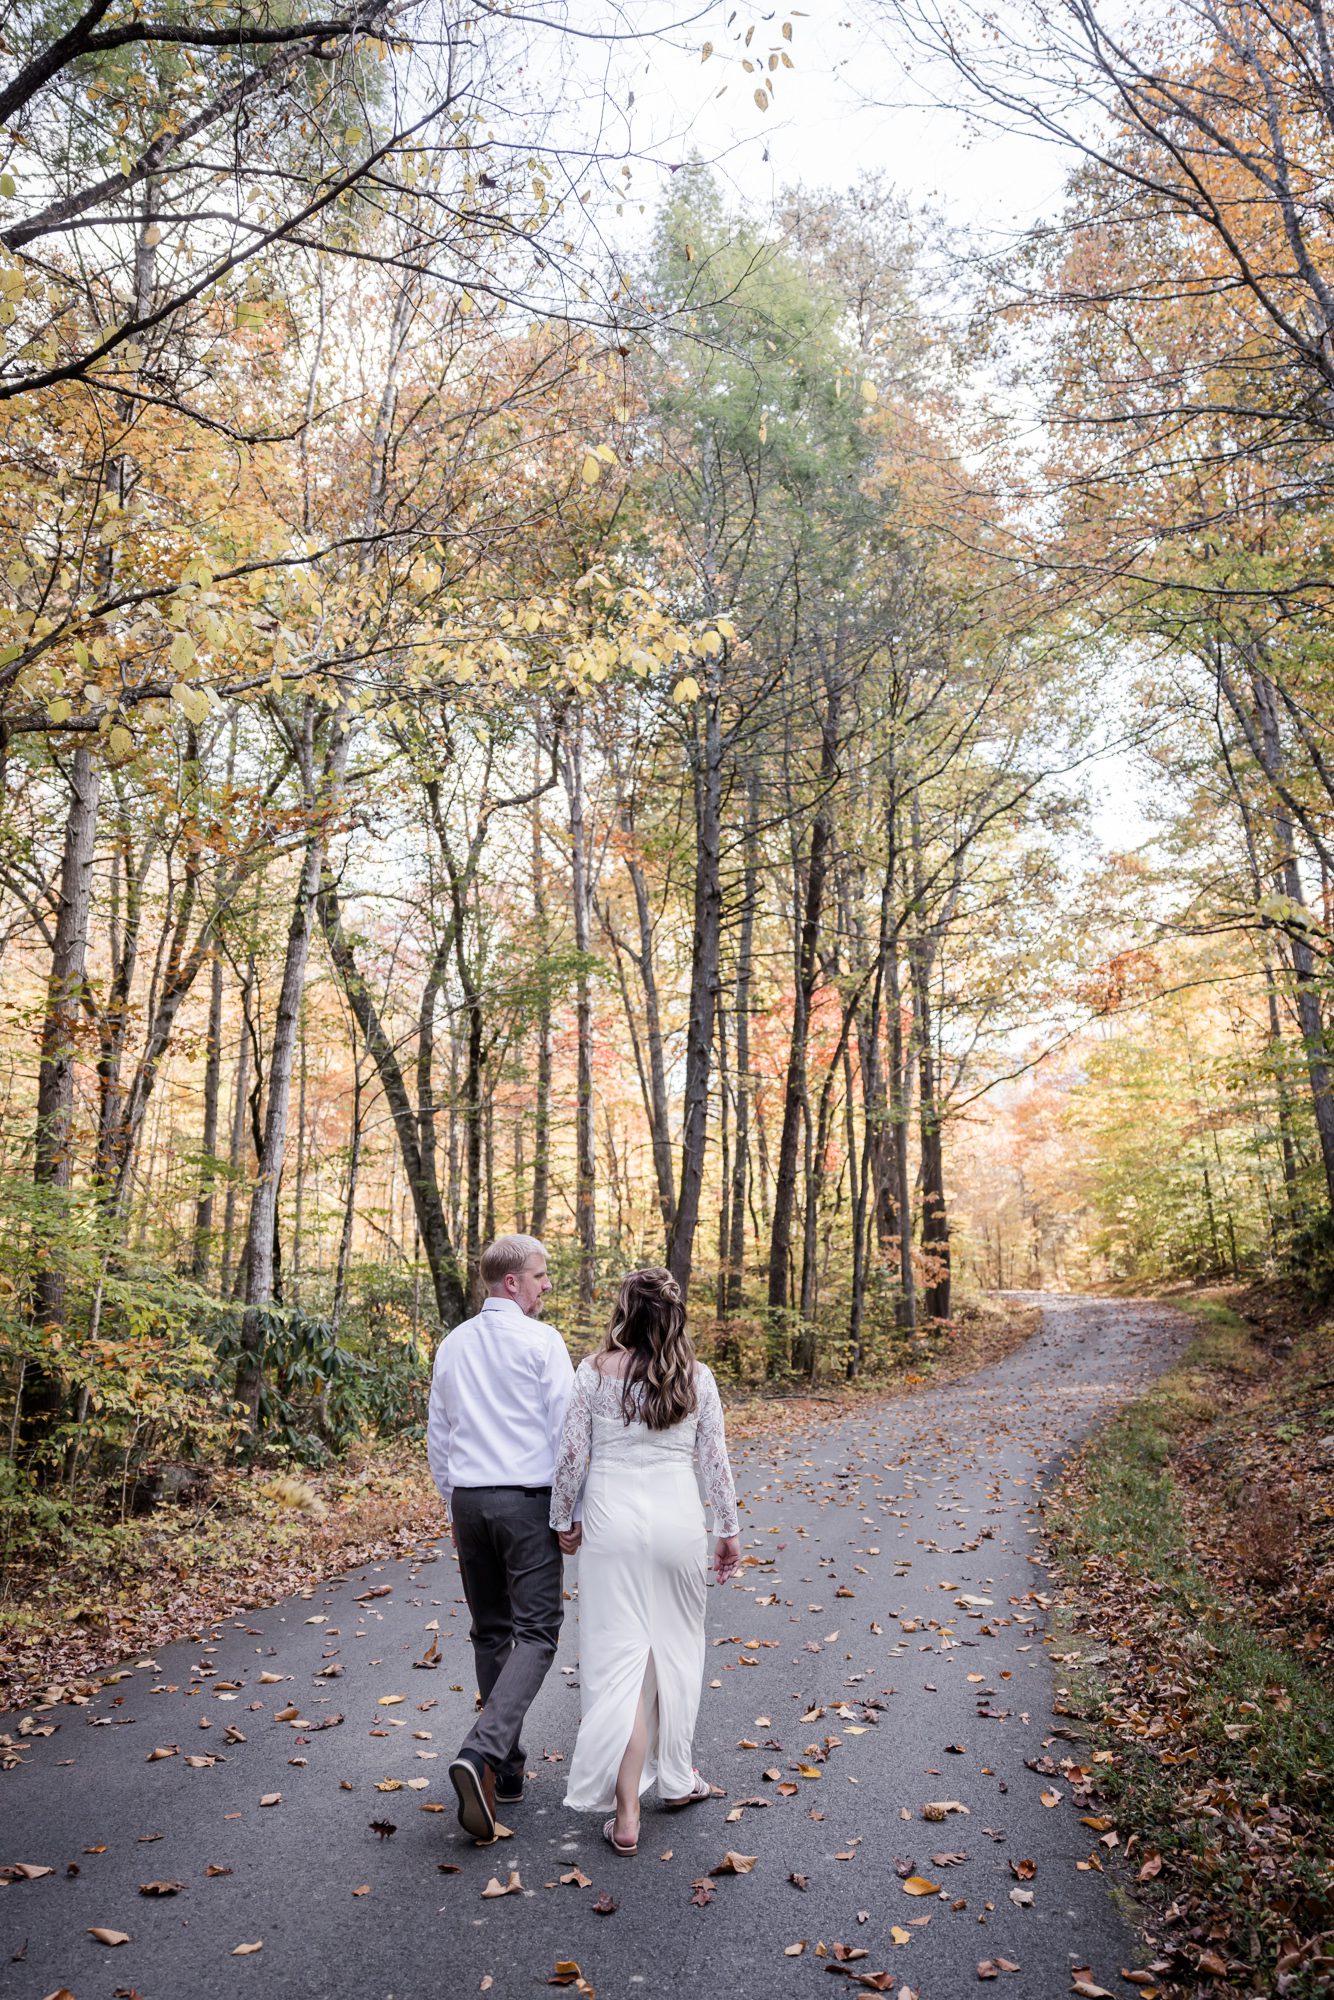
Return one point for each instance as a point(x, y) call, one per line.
point(573, 1452)
point(711, 1459)
point(437, 1430)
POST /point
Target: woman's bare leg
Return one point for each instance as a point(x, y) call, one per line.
point(628, 1777)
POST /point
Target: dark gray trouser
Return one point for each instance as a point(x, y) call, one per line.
point(510, 1563)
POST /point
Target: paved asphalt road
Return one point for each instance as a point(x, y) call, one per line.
point(886, 1634)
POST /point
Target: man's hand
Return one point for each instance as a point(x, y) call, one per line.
point(570, 1538)
point(726, 1557)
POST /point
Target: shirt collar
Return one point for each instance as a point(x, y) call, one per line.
point(503, 1305)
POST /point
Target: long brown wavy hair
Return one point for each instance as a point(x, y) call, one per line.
point(648, 1324)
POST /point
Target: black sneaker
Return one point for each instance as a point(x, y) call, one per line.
point(475, 1782)
point(509, 1790)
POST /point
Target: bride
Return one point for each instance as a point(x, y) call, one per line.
point(644, 1417)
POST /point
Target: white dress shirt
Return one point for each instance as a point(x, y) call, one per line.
point(499, 1388)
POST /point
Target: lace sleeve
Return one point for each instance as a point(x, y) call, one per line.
point(711, 1459)
point(576, 1443)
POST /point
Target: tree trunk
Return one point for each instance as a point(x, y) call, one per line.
point(52, 1161)
point(812, 905)
point(585, 1134)
point(240, 1090)
point(900, 1115)
point(736, 1248)
point(201, 1252)
point(542, 1107)
point(703, 990)
point(423, 1184)
point(659, 1125)
point(349, 1202)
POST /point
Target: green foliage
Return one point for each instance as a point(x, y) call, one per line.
point(318, 1393)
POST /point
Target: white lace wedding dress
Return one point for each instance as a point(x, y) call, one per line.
point(642, 1570)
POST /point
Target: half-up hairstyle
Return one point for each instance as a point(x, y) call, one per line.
point(648, 1325)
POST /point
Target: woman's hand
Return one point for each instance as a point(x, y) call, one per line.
point(570, 1538)
point(726, 1557)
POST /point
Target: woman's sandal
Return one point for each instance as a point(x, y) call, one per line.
point(700, 1790)
point(609, 1835)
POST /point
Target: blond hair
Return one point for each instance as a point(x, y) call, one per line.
point(648, 1323)
point(507, 1256)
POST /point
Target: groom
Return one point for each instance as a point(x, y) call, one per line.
point(498, 1395)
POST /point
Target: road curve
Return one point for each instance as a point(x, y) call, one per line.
point(882, 1649)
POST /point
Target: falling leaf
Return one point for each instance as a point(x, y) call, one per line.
point(917, 1885)
point(384, 1827)
point(108, 1937)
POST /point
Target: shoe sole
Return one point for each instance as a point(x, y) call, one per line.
point(475, 1816)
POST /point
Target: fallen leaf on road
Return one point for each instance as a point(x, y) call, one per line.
point(799, 1881)
point(166, 1750)
point(606, 1905)
point(794, 1950)
point(108, 1937)
point(389, 1785)
point(701, 1893)
point(30, 1871)
point(899, 1935)
point(1023, 1897)
point(384, 1827)
point(947, 1860)
point(495, 1887)
point(160, 1888)
point(272, 1799)
point(390, 1700)
point(244, 1950)
point(1050, 1799)
point(364, 1890)
point(267, 1679)
point(577, 1878)
point(211, 1869)
point(733, 1863)
point(1023, 1871)
point(938, 1809)
point(845, 1954)
point(567, 1973)
point(917, 1885)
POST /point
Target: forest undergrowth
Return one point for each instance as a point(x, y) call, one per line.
point(1194, 1538)
point(108, 1589)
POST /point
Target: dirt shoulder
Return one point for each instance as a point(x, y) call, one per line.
point(1194, 1538)
point(116, 1589)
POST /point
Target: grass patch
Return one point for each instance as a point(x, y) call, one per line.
point(1222, 1742)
